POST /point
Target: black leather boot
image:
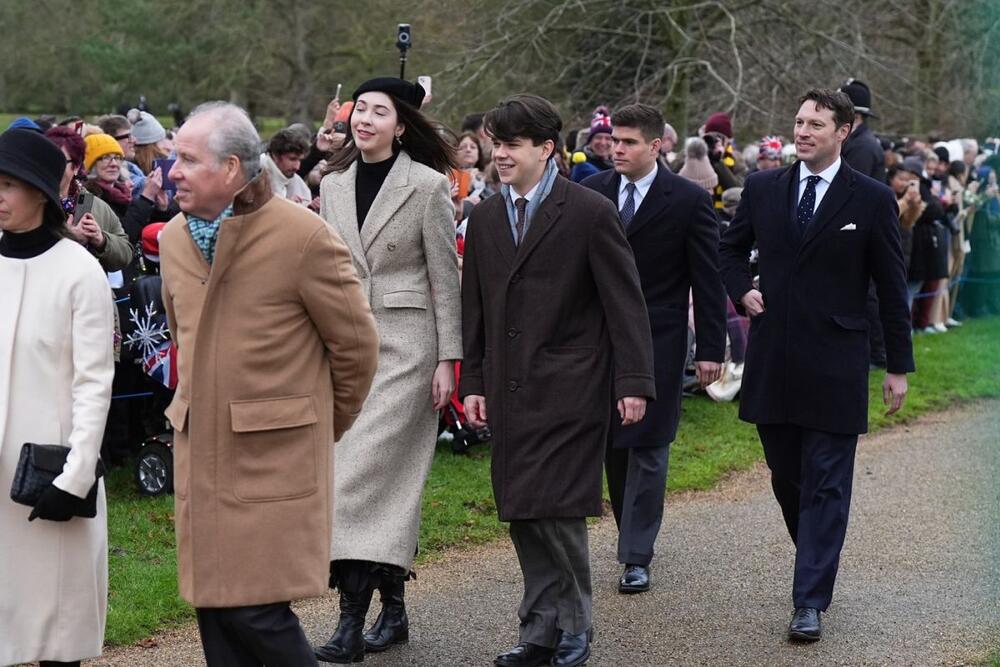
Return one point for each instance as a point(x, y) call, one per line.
point(347, 644)
point(392, 626)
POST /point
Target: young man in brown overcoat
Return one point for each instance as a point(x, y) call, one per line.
point(554, 326)
point(276, 349)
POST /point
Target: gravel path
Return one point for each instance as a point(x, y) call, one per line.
point(919, 581)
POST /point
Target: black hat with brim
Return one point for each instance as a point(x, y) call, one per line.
point(28, 156)
point(860, 95)
point(410, 93)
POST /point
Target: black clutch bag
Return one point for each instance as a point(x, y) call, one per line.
point(37, 468)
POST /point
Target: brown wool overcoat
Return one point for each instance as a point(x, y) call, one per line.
point(276, 352)
point(553, 331)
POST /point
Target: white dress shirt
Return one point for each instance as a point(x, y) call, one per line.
point(514, 195)
point(826, 175)
point(641, 188)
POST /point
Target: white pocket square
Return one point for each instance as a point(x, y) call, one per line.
point(849, 227)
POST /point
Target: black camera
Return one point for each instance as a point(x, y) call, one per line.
point(340, 126)
point(404, 39)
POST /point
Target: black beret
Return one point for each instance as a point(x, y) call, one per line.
point(411, 93)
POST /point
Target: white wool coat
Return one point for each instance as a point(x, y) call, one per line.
point(56, 369)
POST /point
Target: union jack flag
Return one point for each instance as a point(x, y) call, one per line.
point(161, 364)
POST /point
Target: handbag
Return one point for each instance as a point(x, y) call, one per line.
point(37, 468)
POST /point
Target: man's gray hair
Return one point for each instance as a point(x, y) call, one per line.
point(233, 134)
point(669, 131)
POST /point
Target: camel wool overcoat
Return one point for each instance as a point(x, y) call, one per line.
point(276, 352)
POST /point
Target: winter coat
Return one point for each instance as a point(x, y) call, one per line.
point(56, 370)
point(406, 258)
point(808, 354)
point(863, 151)
point(930, 245)
point(276, 350)
point(118, 251)
point(675, 239)
point(555, 331)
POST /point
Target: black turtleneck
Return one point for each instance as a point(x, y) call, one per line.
point(371, 176)
point(25, 245)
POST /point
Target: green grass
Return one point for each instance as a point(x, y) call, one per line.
point(458, 504)
point(143, 562)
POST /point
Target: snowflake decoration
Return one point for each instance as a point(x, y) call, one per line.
point(148, 335)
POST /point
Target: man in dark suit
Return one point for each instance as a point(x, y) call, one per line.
point(863, 151)
point(671, 226)
point(823, 230)
point(553, 323)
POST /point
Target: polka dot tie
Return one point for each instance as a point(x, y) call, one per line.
point(628, 208)
point(522, 207)
point(808, 201)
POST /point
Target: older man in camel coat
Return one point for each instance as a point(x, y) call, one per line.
point(276, 352)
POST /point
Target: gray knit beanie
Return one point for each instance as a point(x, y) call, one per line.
point(145, 128)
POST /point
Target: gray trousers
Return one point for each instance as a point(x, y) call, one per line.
point(637, 482)
point(555, 562)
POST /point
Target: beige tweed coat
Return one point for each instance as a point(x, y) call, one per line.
point(405, 256)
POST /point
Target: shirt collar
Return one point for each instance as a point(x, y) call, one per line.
point(827, 174)
point(641, 184)
point(515, 195)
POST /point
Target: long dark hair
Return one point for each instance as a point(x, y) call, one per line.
point(424, 140)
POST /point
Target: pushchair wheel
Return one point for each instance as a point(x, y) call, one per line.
point(154, 469)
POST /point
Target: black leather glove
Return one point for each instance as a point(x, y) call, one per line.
point(55, 505)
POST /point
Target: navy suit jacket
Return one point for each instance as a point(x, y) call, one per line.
point(675, 239)
point(807, 356)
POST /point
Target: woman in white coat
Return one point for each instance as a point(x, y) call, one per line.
point(390, 200)
point(56, 369)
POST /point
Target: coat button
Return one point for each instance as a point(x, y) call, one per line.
point(512, 385)
point(515, 278)
point(391, 247)
point(512, 333)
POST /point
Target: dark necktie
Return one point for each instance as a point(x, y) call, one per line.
point(628, 208)
point(808, 201)
point(521, 205)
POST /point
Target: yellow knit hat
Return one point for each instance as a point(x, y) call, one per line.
point(99, 145)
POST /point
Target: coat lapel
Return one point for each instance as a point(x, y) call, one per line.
point(346, 212)
point(499, 226)
point(394, 192)
point(656, 199)
point(545, 217)
point(784, 206)
point(836, 196)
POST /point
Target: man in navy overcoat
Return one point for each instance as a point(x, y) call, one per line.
point(671, 226)
point(822, 230)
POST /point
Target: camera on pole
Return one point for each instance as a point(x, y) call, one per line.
point(404, 40)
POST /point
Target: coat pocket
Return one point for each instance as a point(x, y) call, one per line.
point(177, 413)
point(405, 299)
point(275, 448)
point(851, 322)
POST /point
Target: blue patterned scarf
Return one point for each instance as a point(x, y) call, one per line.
point(206, 232)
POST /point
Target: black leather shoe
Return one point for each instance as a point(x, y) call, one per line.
point(572, 650)
point(805, 625)
point(635, 579)
point(347, 644)
point(392, 625)
point(525, 655)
